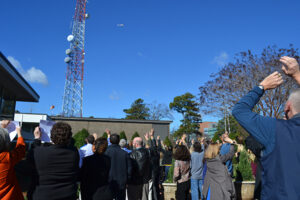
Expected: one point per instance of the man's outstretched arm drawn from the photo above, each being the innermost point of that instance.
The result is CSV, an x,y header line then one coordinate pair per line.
x,y
261,128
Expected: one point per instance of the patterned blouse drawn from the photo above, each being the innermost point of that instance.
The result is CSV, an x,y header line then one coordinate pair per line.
x,y
181,171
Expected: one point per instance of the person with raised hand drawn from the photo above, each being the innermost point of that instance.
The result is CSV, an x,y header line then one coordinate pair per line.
x,y
56,165
218,182
9,187
280,138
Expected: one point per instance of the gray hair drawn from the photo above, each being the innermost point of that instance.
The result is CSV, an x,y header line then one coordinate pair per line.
x,y
122,143
4,140
294,98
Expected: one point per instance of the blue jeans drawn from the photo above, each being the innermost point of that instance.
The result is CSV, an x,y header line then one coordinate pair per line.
x,y
196,188
167,168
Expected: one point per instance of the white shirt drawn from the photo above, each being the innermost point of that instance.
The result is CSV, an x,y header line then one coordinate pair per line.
x,y
85,151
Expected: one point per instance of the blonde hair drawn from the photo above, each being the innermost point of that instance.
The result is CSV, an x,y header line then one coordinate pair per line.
x,y
212,151
251,156
240,148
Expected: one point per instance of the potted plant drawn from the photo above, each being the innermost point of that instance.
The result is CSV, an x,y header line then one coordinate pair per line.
x,y
169,186
244,183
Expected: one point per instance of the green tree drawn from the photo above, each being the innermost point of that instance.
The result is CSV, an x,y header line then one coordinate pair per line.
x,y
123,135
167,142
136,134
243,168
138,110
236,131
187,106
79,137
171,173
104,135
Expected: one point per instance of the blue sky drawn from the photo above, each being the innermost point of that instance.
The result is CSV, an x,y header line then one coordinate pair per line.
x,y
164,49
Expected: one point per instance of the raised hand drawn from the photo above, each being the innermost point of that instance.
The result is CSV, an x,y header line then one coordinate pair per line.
x,y
272,81
152,132
37,133
107,131
146,136
228,140
158,137
290,66
18,129
4,123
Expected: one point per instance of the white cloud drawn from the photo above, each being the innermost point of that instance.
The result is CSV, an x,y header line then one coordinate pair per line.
x,y
221,59
120,25
32,75
15,63
114,96
35,75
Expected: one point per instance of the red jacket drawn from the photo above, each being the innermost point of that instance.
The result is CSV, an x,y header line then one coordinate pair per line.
x,y
9,187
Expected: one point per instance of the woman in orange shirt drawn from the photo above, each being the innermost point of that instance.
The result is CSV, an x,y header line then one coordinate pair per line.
x,y
9,187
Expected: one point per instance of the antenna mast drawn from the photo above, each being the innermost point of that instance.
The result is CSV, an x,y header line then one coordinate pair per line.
x,y
73,92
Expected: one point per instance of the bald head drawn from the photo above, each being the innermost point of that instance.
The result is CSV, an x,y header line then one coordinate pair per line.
x,y
137,142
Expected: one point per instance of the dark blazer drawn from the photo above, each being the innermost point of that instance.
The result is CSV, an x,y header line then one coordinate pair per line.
x,y
120,170
57,170
94,175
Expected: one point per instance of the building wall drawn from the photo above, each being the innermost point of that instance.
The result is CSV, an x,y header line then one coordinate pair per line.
x,y
116,126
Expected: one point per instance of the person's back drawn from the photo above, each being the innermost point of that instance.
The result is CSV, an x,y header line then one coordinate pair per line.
x,y
280,139
283,162
9,187
197,165
86,150
119,165
120,170
140,166
57,165
217,179
224,150
94,174
57,168
197,171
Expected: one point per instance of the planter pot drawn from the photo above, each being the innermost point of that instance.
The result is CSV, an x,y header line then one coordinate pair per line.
x,y
169,190
244,190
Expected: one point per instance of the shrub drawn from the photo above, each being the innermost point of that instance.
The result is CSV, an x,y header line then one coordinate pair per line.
x,y
243,168
167,142
136,134
170,173
104,135
123,135
79,137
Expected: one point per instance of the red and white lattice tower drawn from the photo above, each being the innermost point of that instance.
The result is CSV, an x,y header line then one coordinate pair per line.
x,y
73,93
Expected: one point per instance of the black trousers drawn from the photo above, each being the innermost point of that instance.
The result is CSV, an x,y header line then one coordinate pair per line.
x,y
183,190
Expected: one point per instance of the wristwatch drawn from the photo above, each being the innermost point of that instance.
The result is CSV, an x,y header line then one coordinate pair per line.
x,y
261,87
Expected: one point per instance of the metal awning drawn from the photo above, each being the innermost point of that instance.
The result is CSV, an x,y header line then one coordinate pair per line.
x,y
14,85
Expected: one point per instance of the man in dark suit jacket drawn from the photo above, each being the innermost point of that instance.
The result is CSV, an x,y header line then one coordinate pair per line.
x,y
120,170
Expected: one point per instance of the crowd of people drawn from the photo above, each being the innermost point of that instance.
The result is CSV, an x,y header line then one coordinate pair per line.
x,y
110,168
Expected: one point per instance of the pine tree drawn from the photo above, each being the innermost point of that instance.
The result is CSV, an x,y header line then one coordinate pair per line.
x,y
136,134
138,110
104,135
80,136
244,170
123,135
167,142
